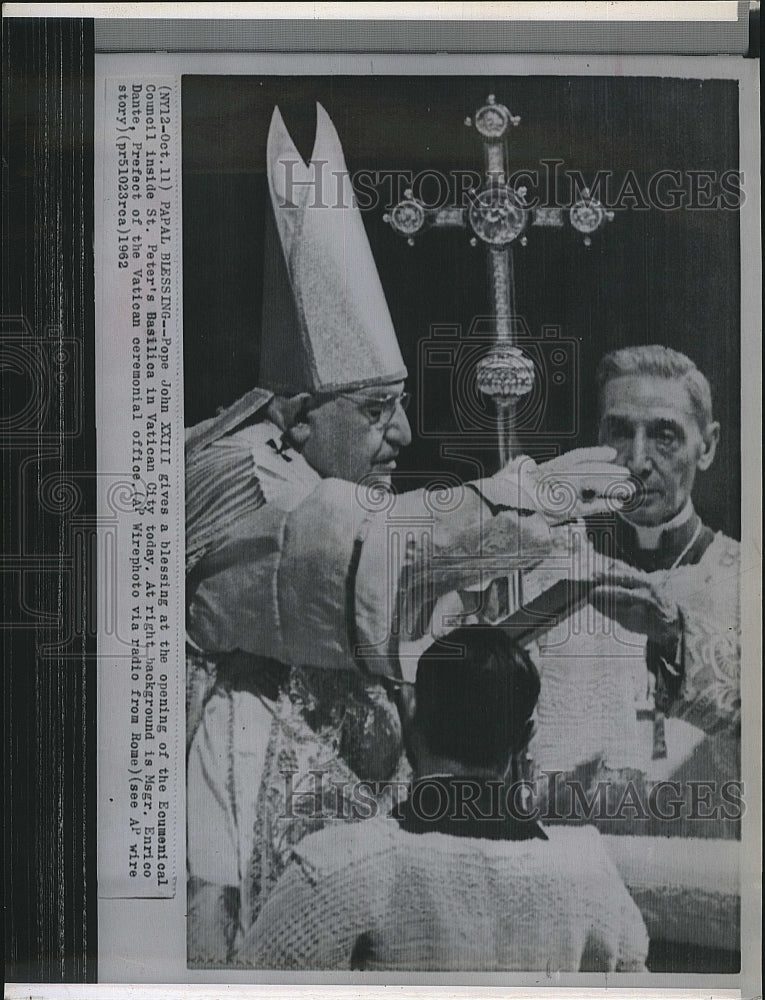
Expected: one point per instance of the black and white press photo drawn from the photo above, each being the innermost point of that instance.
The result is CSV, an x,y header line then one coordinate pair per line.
x,y
431,655
382,448
461,374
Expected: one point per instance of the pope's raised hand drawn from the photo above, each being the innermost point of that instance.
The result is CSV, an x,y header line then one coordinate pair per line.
x,y
579,483
576,484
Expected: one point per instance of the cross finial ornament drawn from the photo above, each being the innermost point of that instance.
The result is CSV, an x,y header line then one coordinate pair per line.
x,y
497,215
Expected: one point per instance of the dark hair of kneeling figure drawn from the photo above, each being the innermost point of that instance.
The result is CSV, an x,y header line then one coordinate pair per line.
x,y
467,723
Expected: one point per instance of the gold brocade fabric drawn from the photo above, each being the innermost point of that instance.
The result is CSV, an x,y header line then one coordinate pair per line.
x,y
332,733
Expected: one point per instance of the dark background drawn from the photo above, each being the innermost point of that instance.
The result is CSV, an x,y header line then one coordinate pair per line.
x,y
652,276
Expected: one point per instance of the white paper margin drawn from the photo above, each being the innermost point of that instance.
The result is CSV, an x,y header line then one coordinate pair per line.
x,y
144,941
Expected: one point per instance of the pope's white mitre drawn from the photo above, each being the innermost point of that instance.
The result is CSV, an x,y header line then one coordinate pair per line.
x,y
326,324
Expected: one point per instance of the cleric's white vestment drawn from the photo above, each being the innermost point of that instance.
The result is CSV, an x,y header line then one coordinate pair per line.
x,y
611,705
435,902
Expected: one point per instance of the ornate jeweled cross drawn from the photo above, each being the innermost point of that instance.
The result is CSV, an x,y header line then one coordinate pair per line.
x,y
497,215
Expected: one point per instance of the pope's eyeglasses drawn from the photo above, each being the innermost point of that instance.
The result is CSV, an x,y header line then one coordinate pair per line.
x,y
379,410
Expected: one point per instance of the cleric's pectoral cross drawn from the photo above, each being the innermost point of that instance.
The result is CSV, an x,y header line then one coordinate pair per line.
x,y
655,713
498,215
658,732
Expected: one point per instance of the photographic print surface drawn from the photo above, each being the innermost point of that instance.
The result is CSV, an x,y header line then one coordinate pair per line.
x,y
442,371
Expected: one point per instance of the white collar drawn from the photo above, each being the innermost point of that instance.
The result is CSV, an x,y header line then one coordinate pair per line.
x,y
649,535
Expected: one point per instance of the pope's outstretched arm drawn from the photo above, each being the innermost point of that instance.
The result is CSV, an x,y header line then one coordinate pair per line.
x,y
310,585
